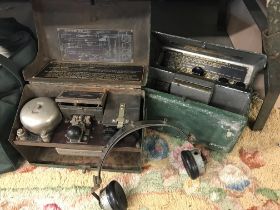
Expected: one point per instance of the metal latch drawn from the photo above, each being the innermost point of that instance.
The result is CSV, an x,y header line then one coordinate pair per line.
x,y
120,119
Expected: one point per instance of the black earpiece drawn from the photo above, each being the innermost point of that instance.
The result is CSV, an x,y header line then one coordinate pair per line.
x,y
112,197
194,162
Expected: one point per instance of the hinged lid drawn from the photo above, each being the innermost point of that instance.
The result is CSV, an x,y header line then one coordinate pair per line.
x,y
91,42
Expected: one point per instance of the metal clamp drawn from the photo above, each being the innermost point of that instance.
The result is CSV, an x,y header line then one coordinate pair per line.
x,y
120,119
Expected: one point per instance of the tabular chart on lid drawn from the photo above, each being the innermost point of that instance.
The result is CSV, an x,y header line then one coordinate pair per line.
x,y
96,45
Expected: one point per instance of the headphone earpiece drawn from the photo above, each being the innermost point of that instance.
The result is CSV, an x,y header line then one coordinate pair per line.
x,y
112,197
194,162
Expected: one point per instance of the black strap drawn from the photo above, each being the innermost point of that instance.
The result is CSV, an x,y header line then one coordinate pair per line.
x,y
8,93
12,68
11,25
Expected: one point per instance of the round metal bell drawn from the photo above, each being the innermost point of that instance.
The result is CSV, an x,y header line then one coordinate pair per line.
x,y
40,116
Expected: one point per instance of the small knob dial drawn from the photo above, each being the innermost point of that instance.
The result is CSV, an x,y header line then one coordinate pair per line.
x,y
223,80
240,85
74,133
198,71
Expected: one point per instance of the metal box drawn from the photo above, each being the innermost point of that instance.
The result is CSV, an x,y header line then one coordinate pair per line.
x,y
204,87
93,59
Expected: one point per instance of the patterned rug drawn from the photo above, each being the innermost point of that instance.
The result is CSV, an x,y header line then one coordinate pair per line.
x,y
246,178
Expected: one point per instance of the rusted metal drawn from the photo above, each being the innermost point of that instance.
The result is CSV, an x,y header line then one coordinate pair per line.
x,y
87,50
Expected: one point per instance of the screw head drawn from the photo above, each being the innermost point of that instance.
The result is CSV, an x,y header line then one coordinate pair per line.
x,y
20,131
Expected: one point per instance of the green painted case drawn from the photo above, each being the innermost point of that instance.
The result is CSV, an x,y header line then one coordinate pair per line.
x,y
215,128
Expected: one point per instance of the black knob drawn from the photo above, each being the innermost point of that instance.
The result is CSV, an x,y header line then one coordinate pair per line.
x,y
223,80
74,132
198,71
240,85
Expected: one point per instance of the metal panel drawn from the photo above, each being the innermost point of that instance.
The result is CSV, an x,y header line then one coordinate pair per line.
x,y
103,32
226,97
131,111
223,61
192,88
230,99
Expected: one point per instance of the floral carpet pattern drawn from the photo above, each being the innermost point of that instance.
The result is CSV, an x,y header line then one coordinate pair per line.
x,y
247,178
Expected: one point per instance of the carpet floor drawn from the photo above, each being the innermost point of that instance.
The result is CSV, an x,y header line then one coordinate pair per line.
x,y
247,178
